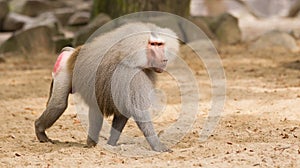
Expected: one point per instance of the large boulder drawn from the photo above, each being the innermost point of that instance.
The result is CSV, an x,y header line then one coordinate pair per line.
x,y
3,11
269,8
31,7
47,19
275,39
85,5
79,18
201,24
63,15
15,21
226,28
84,33
33,41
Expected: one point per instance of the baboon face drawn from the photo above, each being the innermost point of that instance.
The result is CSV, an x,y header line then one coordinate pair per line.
x,y
156,55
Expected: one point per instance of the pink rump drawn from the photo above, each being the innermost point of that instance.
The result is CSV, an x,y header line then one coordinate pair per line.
x,y
57,63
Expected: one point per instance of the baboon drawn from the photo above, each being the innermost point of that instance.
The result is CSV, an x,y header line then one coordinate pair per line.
x,y
114,74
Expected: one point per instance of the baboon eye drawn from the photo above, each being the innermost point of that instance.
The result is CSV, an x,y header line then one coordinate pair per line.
x,y
156,44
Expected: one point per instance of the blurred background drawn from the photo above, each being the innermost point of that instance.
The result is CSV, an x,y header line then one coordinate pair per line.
x,y
53,24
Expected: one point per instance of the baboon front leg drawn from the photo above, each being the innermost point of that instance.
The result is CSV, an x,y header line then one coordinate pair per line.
x,y
143,120
149,132
118,124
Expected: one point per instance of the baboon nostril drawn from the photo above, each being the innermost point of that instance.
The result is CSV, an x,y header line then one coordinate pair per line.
x,y
164,60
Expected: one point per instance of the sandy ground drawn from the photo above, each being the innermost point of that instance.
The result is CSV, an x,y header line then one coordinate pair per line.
x,y
260,125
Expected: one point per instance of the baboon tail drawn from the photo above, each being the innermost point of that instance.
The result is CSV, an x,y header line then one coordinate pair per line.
x,y
50,92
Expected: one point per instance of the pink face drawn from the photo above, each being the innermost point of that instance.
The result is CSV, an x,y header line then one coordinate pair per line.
x,y
156,55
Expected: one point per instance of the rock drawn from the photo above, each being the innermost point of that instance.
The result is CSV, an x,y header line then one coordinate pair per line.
x,y
226,29
15,22
296,33
33,41
45,19
58,3
31,7
269,8
3,11
84,6
215,7
276,39
198,21
4,37
63,14
83,34
79,18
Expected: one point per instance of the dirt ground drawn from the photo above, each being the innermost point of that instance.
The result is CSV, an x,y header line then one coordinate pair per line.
x,y
260,125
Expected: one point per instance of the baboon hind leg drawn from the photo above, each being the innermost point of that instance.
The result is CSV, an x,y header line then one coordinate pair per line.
x,y
118,124
60,89
57,103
